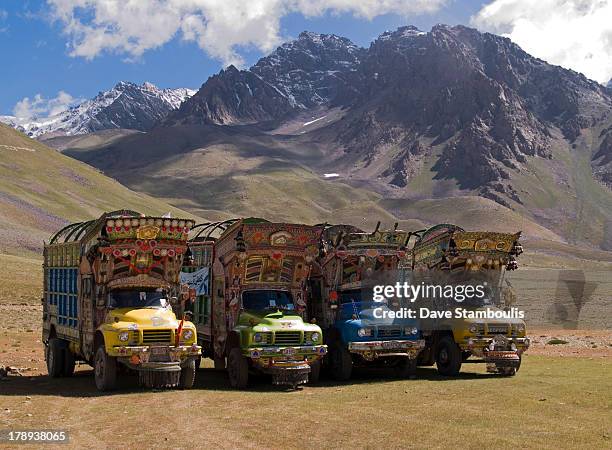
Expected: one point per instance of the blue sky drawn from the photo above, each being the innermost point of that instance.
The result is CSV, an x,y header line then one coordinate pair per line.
x,y
44,53
37,59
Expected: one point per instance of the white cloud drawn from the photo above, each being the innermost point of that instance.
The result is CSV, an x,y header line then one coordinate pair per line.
x,y
219,27
575,34
39,106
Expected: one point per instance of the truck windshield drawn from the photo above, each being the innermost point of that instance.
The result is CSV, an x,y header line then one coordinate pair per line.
x,y
125,298
267,299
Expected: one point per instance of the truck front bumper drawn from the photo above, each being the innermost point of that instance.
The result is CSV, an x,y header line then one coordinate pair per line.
x,y
284,356
370,350
287,365
156,358
505,348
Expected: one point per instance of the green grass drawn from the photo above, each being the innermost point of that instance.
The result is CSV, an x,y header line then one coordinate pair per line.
x,y
41,190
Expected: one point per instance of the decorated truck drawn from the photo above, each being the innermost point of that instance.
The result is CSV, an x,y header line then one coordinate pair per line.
x,y
358,329
483,327
109,286
250,318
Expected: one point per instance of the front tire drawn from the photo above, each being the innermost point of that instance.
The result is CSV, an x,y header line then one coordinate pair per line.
x,y
315,372
406,368
448,357
69,363
55,358
219,363
105,370
341,362
188,374
238,369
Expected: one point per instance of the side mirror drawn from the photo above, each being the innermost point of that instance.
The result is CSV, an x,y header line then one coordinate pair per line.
x,y
173,300
188,316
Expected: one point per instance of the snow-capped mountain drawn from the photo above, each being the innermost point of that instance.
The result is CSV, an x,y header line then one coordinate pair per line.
x,y
127,105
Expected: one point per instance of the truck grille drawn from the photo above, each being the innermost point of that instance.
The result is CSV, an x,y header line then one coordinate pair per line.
x,y
498,329
157,336
288,337
389,332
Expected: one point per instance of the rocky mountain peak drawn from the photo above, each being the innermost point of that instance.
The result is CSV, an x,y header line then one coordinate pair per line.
x,y
125,105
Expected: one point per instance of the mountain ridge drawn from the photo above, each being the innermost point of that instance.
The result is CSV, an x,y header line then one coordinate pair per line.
x,y
126,105
451,112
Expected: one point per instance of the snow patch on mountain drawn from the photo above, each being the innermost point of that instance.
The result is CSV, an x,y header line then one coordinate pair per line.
x,y
126,105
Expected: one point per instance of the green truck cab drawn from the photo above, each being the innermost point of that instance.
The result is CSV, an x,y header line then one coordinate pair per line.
x,y
484,329
109,288
249,312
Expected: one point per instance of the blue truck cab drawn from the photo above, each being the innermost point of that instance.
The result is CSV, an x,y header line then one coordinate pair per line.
x,y
360,331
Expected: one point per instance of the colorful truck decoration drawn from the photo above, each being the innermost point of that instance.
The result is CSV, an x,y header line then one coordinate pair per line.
x,y
250,318
446,254
342,301
109,285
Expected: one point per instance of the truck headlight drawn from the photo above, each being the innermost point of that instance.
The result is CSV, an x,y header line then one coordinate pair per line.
x,y
314,337
410,330
363,332
124,336
187,335
257,337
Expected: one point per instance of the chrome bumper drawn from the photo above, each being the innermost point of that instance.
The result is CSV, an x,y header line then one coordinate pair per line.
x,y
371,350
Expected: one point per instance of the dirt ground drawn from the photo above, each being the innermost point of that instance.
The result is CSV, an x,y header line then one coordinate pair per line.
x,y
561,398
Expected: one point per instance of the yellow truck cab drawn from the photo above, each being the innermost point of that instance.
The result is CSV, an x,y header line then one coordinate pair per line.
x,y
483,328
109,288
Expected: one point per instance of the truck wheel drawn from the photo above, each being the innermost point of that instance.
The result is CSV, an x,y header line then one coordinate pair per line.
x,y
448,357
341,362
219,363
406,368
55,358
507,371
315,372
188,374
69,363
238,369
198,363
105,370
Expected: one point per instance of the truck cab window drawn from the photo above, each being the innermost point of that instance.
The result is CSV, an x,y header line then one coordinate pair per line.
x,y
258,300
125,298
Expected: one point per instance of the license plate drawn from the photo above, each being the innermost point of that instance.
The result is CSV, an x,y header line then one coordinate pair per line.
x,y
391,344
159,350
288,351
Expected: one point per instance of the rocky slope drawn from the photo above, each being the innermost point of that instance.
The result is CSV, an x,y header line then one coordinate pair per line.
x,y
126,105
313,70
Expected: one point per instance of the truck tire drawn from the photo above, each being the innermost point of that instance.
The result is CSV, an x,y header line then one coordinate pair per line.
x,y
237,369
315,372
105,370
341,362
69,362
219,363
188,374
406,368
198,363
55,358
448,357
